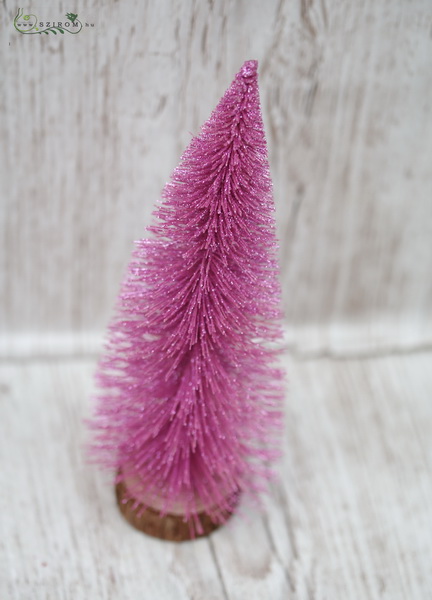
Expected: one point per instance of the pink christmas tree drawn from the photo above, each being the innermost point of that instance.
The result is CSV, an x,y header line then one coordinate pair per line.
x,y
189,410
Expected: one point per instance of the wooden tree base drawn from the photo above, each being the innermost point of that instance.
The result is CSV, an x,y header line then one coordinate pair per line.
x,y
169,527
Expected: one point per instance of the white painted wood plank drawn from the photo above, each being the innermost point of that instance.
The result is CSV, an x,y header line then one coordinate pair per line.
x,y
359,494
349,519
93,124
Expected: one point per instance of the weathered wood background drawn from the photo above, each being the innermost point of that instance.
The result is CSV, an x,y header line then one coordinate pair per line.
x,y
349,520
93,125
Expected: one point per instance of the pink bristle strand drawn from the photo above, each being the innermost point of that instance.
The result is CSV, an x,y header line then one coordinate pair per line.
x,y
189,408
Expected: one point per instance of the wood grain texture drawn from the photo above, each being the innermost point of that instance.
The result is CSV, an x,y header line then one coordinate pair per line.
x,y
93,125
350,518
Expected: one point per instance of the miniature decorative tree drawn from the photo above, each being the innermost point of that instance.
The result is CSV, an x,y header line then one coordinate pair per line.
x,y
189,408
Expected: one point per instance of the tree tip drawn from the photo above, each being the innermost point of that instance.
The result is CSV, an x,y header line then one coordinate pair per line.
x,y
249,69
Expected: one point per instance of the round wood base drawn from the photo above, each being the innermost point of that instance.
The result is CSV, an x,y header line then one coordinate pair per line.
x,y
169,527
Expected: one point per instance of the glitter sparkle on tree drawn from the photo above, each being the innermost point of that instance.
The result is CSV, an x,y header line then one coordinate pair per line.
x,y
188,413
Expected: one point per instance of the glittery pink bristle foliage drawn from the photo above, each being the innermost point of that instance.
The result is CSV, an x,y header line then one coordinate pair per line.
x,y
189,409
